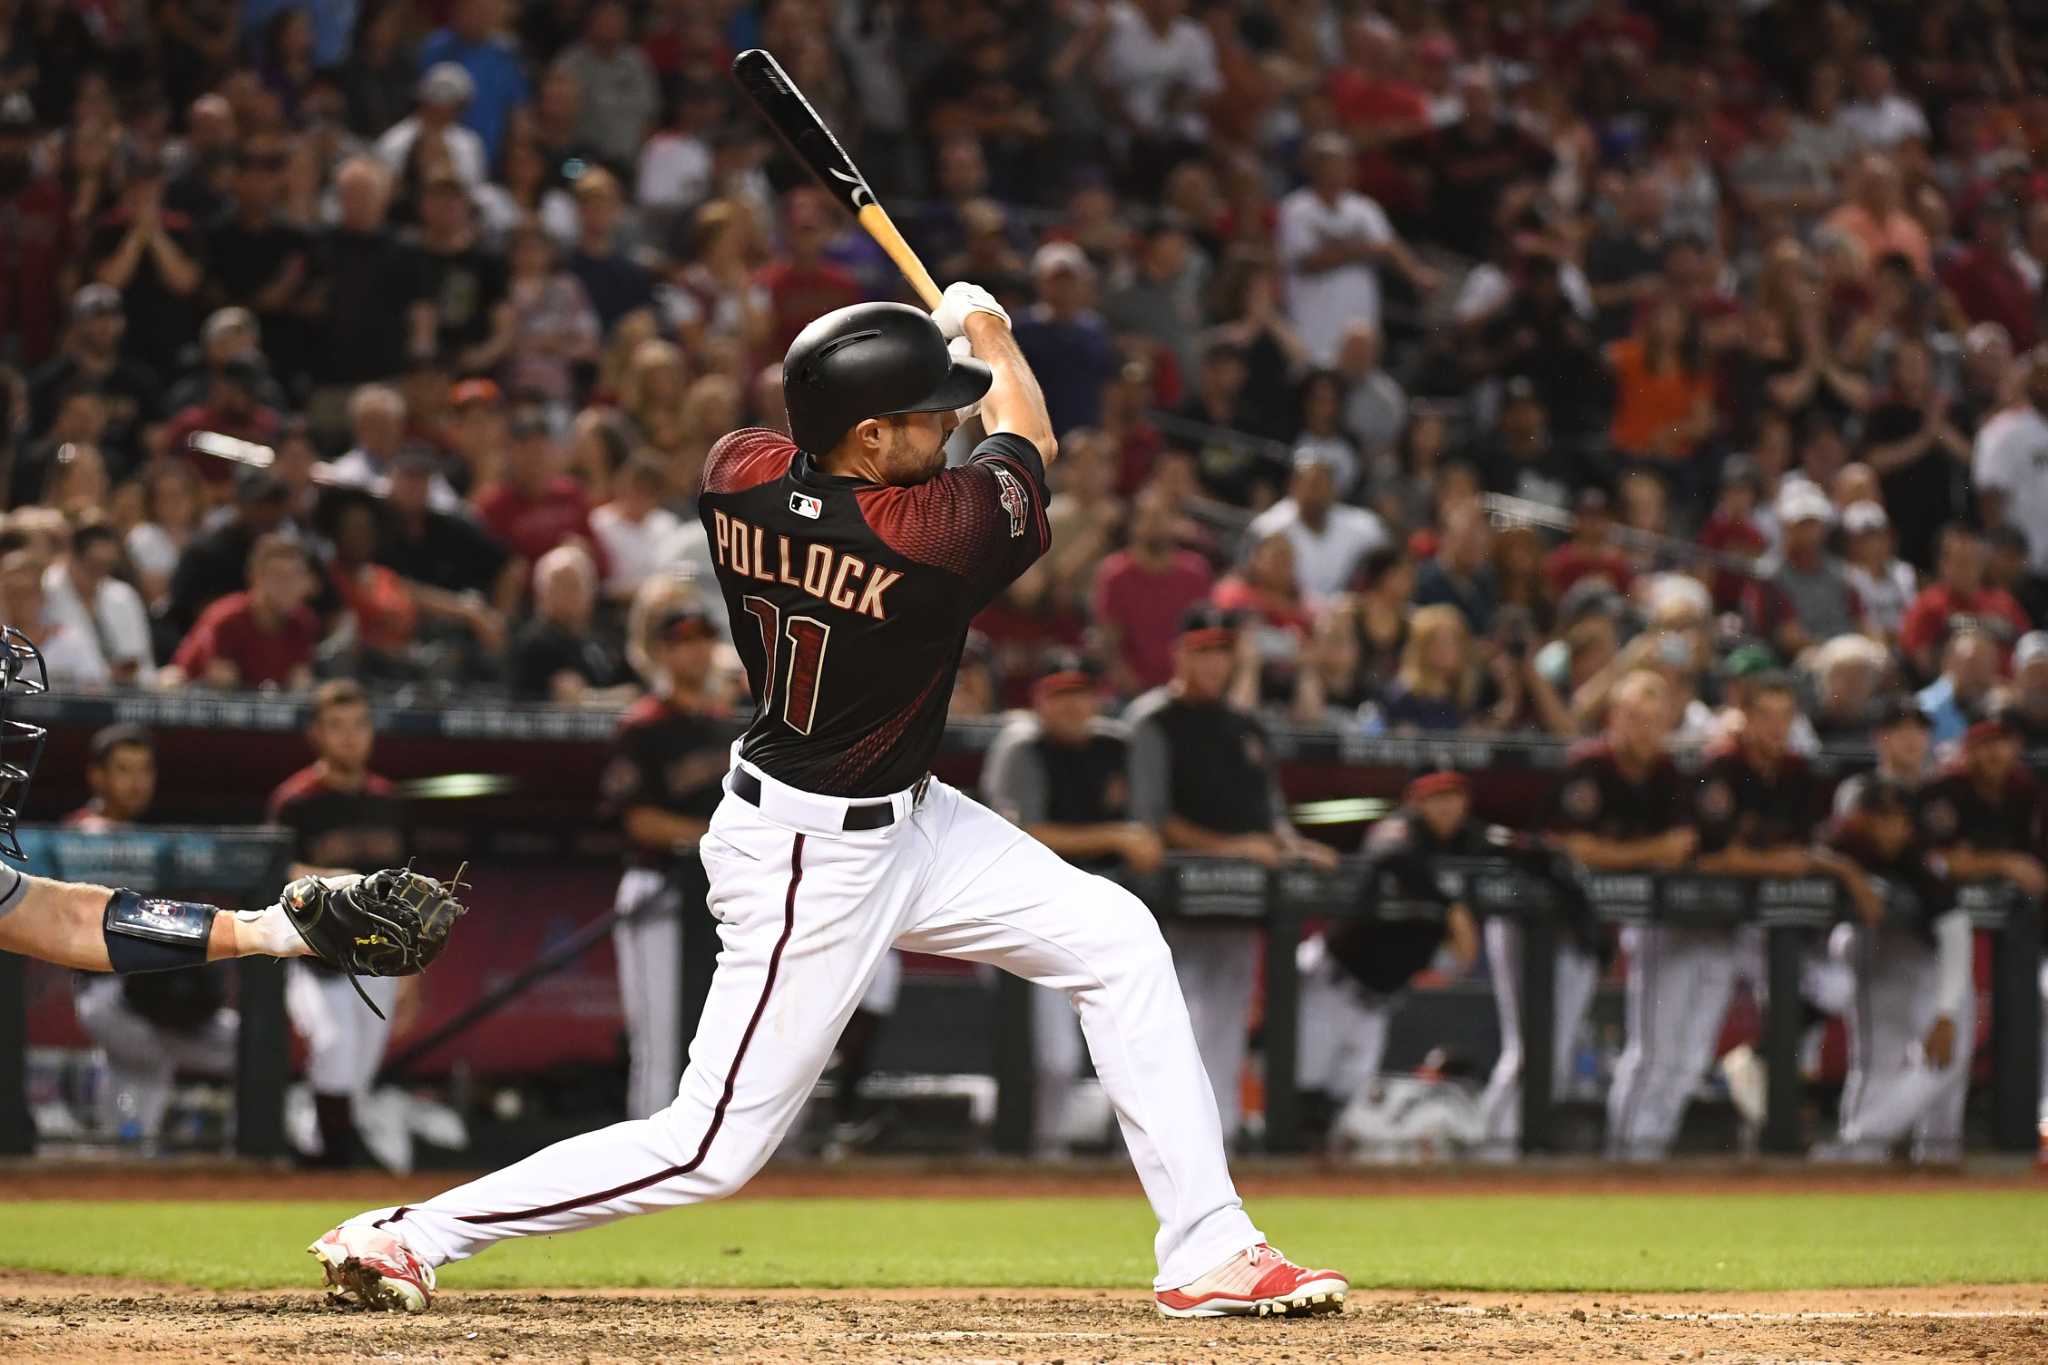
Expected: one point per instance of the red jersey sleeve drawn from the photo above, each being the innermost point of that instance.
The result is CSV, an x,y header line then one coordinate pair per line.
x,y
983,520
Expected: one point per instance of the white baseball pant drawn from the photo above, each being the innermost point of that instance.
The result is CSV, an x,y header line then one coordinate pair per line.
x,y
1891,1091
1218,967
1343,1033
344,1039
1679,980
144,1058
648,948
1576,978
1056,1051
805,913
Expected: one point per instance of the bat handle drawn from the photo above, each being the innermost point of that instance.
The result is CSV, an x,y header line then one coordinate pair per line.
x,y
878,225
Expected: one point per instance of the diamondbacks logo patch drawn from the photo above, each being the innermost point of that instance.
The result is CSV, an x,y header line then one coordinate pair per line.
x,y
1011,494
804,505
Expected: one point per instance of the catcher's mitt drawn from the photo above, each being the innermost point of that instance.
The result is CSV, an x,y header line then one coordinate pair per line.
x,y
391,923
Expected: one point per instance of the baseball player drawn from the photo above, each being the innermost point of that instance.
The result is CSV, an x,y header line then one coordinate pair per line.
x,y
389,924
1353,973
1902,738
343,818
852,560
1754,807
1201,775
1061,771
1619,808
662,784
1913,1021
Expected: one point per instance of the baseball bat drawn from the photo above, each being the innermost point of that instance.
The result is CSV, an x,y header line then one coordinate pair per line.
x,y
791,115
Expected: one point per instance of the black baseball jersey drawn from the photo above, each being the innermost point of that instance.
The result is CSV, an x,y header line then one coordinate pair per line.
x,y
1735,803
1916,870
850,600
359,831
1033,780
1409,901
1205,762
1954,812
1597,797
668,758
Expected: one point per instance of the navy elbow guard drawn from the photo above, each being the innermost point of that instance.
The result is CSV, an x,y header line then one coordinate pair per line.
x,y
145,934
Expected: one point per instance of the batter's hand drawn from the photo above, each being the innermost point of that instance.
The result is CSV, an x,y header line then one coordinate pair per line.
x,y
960,299
1939,1046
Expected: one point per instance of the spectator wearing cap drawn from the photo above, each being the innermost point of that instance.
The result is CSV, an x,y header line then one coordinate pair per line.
x,y
1959,697
228,334
2024,703
2010,461
1911,438
376,415
620,98
1885,584
1061,772
601,259
1331,241
1801,594
156,258
36,239
474,44
1066,341
1141,592
534,507
91,359
1202,775
260,638
83,592
1983,813
1959,599
231,408
1329,538
558,656
369,295
443,93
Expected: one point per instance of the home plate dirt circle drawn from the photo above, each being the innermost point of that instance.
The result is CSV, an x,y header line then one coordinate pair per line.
x,y
50,1319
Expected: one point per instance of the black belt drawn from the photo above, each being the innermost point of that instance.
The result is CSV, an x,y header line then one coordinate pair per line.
x,y
864,815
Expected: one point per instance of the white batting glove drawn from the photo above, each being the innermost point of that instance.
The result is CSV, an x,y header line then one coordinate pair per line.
x,y
959,347
960,299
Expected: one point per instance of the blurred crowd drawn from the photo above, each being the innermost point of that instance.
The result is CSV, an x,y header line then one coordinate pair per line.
x,y
1472,355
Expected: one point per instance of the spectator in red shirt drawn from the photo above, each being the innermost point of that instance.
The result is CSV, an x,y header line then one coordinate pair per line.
x,y
1590,553
1372,99
1140,593
805,285
1959,599
261,638
1985,282
231,409
534,506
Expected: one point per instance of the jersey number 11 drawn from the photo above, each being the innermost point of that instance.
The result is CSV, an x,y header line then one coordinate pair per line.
x,y
807,636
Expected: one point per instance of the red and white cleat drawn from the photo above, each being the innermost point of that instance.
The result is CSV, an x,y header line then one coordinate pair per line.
x,y
1257,1282
370,1268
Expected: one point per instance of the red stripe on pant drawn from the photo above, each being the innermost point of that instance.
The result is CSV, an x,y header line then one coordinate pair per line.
x,y
796,876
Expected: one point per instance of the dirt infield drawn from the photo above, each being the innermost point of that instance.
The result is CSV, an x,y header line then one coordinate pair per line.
x,y
53,1320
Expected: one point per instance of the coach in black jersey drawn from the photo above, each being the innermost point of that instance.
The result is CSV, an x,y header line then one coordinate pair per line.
x,y
1984,811
661,786
851,561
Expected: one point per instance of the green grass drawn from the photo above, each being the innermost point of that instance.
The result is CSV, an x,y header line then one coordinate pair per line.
x,y
1481,1241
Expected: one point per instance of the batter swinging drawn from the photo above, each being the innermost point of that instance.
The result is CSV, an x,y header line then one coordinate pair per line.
x,y
851,561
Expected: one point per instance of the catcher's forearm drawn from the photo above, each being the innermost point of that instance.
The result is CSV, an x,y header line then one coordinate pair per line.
x,y
75,924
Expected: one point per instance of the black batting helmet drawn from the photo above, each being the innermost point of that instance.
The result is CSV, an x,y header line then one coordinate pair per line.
x,y
871,360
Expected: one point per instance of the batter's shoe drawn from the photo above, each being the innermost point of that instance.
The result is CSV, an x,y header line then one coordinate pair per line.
x,y
369,1268
1257,1282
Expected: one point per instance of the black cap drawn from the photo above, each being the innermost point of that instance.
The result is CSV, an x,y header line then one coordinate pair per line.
x,y
244,371
1901,709
684,622
1882,796
872,360
1205,624
259,485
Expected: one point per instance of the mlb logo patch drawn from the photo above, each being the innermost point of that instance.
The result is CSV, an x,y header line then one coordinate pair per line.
x,y
804,505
